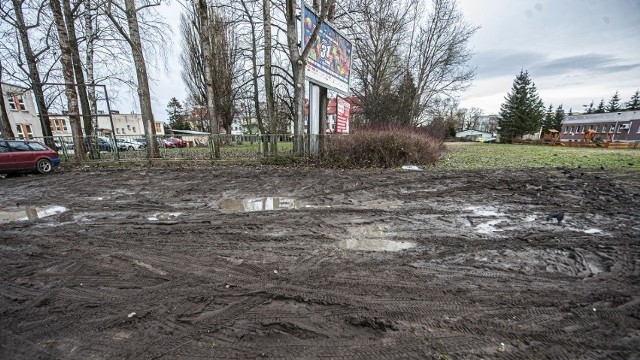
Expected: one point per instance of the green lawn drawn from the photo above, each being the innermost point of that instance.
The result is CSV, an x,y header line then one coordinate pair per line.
x,y
488,156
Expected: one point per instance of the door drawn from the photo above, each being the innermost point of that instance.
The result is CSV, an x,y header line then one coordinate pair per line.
x,y
22,155
6,158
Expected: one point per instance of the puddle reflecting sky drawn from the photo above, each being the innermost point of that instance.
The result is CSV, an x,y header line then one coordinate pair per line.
x,y
259,204
376,245
30,213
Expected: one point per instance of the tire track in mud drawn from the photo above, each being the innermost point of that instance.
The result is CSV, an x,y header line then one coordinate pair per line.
x,y
203,284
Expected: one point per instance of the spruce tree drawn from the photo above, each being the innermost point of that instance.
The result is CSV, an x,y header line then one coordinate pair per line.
x,y
634,103
176,112
614,103
601,108
589,109
558,119
523,111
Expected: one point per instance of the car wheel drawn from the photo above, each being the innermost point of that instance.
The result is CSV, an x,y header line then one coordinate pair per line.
x,y
44,166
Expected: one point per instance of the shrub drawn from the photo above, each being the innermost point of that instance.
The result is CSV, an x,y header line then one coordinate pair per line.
x,y
386,146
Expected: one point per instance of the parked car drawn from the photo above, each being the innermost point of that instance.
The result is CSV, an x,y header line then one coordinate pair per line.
x,y
174,143
128,145
20,155
103,143
67,144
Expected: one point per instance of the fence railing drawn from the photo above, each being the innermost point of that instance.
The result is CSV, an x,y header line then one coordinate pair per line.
x,y
186,147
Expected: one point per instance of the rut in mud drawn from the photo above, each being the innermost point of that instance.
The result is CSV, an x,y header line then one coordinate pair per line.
x,y
240,262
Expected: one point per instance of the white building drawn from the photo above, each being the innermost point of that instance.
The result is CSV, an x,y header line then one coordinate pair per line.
x,y
25,122
22,112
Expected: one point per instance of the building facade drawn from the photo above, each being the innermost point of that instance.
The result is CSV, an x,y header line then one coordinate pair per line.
x,y
25,122
22,112
620,126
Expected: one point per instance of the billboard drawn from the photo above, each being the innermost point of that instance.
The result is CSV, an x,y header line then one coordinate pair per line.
x,y
343,110
329,61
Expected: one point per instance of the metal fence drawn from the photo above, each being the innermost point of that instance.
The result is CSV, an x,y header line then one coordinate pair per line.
x,y
179,147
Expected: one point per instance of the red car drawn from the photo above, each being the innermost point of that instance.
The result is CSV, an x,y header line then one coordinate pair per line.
x,y
20,155
174,143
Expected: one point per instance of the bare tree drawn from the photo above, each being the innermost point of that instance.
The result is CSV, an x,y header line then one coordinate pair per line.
x,y
112,9
16,19
67,70
191,60
204,29
268,78
441,61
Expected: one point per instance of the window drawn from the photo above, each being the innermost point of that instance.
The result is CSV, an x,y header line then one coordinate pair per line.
x,y
117,131
566,129
4,147
16,102
19,146
12,102
597,128
37,147
128,127
64,124
123,130
21,104
134,129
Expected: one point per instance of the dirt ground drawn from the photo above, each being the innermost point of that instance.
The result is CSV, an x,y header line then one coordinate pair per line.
x,y
261,262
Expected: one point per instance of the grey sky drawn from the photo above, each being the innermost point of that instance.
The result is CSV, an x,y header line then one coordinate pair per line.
x,y
574,50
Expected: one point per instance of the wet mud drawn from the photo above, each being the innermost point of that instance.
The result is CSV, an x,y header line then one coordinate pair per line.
x,y
241,262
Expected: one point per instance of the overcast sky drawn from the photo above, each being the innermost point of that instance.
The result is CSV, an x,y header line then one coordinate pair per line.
x,y
574,50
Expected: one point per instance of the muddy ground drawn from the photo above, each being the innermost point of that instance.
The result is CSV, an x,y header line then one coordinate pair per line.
x,y
242,262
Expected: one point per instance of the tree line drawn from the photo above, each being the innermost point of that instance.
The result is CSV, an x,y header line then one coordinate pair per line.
x,y
240,58
614,104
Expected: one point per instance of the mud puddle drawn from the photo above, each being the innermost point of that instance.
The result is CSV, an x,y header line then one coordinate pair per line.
x,y
373,238
30,213
259,204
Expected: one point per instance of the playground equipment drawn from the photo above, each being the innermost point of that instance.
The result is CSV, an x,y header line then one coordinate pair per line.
x,y
551,137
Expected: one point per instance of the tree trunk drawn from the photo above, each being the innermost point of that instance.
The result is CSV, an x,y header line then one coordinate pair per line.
x,y
79,74
204,34
298,63
34,75
91,90
5,124
143,80
254,73
67,72
268,83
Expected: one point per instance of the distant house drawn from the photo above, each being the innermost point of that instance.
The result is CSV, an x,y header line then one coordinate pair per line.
x,y
621,126
474,135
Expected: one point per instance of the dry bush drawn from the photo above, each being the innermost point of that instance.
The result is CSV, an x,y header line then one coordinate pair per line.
x,y
387,146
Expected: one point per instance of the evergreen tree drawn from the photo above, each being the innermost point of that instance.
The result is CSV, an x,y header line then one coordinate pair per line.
x,y
558,119
176,115
589,108
634,103
614,103
601,108
570,112
523,111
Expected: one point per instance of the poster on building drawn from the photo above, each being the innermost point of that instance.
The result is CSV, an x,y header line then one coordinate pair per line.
x,y
343,112
329,61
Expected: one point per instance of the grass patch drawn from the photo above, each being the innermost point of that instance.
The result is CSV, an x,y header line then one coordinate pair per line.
x,y
463,156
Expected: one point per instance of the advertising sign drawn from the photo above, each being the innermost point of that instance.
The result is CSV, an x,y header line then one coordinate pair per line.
x,y
329,61
342,116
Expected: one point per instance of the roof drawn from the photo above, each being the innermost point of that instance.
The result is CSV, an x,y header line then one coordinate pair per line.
x,y
472,131
602,118
190,132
